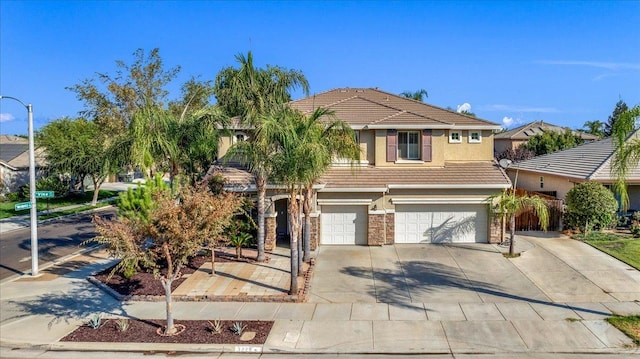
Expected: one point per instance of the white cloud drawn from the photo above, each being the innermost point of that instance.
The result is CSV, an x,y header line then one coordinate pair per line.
x,y
520,109
6,117
507,121
465,107
603,65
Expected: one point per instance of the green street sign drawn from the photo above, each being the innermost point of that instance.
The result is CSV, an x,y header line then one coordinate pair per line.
x,y
22,205
44,194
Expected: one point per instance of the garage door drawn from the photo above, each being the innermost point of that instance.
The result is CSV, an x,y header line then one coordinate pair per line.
x,y
459,223
343,225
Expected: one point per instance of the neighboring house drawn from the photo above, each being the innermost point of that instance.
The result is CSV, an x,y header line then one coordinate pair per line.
x,y
556,173
14,162
424,176
512,139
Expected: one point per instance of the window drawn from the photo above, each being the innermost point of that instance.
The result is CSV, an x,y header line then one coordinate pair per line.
x,y
239,137
475,137
541,182
455,137
356,136
409,145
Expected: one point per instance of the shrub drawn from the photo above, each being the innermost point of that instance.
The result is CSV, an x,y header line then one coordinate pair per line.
x,y
635,224
590,205
52,183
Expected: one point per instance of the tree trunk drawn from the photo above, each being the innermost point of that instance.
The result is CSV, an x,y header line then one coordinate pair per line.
x,y
307,224
512,240
262,190
299,238
238,252
96,190
213,260
293,242
166,284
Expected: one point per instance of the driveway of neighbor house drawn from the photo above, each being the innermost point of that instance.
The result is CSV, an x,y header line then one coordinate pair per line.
x,y
555,269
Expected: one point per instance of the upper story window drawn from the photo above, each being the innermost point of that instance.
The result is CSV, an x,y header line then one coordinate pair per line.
x,y
455,137
239,137
475,137
409,145
356,136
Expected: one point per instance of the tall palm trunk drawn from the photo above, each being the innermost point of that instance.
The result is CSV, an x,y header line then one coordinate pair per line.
x,y
512,239
299,238
293,242
261,185
307,223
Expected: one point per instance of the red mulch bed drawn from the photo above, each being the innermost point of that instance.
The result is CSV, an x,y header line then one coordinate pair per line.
x,y
143,283
145,331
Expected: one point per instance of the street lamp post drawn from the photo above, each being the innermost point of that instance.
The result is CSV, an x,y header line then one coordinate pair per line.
x,y
32,188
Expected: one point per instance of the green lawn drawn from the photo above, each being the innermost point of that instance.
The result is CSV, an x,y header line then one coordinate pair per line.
x,y
625,248
7,208
630,325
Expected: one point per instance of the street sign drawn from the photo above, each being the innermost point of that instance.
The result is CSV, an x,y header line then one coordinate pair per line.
x,y
22,205
44,194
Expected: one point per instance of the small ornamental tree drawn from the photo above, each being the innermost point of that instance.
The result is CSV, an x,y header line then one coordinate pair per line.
x,y
177,228
590,205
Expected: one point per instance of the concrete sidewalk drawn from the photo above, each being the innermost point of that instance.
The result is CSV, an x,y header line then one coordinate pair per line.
x,y
37,312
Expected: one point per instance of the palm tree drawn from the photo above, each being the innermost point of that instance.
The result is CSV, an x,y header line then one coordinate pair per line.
x,y
417,95
331,138
509,204
627,152
595,128
250,93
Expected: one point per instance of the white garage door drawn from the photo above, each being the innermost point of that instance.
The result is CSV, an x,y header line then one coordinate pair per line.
x,y
456,223
343,225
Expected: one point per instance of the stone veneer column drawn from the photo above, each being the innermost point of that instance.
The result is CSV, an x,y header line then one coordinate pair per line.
x,y
315,222
270,231
390,234
376,229
494,229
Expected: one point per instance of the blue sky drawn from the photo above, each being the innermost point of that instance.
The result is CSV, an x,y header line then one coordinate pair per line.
x,y
513,62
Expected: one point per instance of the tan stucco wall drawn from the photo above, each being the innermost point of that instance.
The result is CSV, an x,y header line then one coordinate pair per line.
x,y
368,146
466,151
438,140
224,143
531,182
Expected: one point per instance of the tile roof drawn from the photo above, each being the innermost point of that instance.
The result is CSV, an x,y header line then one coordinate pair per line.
x,y
535,128
14,152
373,108
590,161
481,174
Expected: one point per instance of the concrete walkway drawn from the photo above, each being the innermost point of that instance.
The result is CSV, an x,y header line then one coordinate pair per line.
x,y
473,320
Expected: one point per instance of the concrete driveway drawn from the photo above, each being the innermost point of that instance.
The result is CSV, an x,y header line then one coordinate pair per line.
x,y
554,269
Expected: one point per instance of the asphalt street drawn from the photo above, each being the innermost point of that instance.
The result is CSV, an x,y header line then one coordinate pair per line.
x,y
56,239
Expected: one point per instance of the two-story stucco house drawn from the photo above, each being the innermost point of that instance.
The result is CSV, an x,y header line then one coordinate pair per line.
x,y
424,176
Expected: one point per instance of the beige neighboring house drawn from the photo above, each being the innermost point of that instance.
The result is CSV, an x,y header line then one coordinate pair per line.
x,y
512,139
14,162
424,176
556,173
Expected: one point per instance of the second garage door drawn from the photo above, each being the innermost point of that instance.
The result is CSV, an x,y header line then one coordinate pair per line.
x,y
343,225
463,223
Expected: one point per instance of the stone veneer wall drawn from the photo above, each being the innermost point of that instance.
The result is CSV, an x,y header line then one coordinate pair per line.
x,y
391,228
270,235
494,230
375,230
315,222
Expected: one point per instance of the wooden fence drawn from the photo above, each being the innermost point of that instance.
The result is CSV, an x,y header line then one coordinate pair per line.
x,y
527,220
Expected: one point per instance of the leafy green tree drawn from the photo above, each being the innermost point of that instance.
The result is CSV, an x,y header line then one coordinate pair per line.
x,y
508,204
78,147
552,141
595,128
178,227
250,93
590,205
112,100
416,95
621,107
627,151
138,203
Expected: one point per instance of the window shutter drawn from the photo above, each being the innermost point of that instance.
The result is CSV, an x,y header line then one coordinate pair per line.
x,y
392,145
426,145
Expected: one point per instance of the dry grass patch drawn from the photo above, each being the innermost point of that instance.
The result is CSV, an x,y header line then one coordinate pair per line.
x,y
630,325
